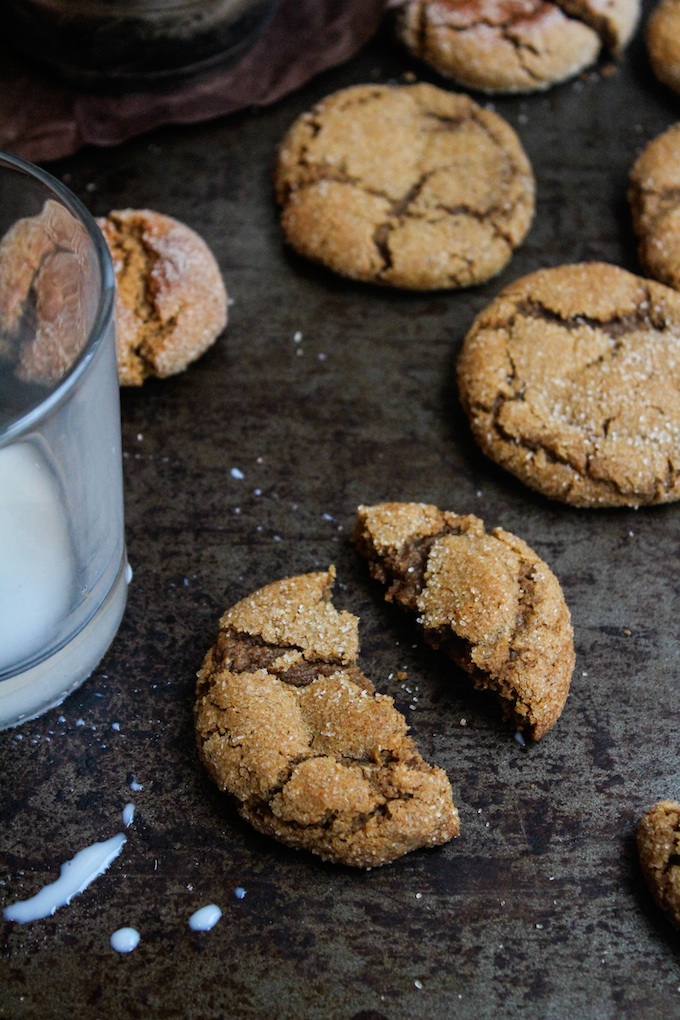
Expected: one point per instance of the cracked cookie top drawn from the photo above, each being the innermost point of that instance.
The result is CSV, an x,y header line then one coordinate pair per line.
x,y
287,723
654,196
484,598
406,186
513,45
171,303
570,380
658,842
662,36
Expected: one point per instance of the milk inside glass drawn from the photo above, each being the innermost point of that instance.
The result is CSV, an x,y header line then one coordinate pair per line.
x,y
62,554
37,569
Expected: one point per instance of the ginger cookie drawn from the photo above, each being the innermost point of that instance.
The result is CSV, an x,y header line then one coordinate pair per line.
x,y
513,45
570,381
658,842
406,186
662,36
44,265
654,196
484,598
171,302
287,723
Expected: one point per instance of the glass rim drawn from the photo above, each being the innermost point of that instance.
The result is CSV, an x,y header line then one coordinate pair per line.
x,y
26,421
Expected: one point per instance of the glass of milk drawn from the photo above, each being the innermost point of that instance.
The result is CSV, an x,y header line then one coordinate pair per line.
x,y
63,568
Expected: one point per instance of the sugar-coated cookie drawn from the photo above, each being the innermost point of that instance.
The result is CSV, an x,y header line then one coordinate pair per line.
x,y
662,35
407,186
654,196
570,380
44,267
171,302
658,842
513,45
485,598
288,724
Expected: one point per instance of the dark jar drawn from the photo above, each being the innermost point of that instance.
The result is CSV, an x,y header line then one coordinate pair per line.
x,y
135,43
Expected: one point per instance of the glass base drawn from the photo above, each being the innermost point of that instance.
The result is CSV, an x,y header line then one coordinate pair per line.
x,y
44,686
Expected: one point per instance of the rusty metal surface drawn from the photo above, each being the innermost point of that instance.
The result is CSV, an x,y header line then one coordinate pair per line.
x,y
324,394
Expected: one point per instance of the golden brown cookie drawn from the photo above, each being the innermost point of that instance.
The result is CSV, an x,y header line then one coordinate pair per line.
x,y
44,266
654,196
61,295
408,186
658,841
171,303
662,35
484,598
570,381
288,724
513,45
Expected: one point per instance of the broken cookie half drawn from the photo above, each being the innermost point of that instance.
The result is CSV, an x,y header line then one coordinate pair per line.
x,y
658,843
171,301
484,598
288,724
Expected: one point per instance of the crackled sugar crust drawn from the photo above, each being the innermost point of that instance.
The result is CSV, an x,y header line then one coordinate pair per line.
x,y
171,302
407,186
570,381
654,196
663,42
658,841
484,598
513,45
288,724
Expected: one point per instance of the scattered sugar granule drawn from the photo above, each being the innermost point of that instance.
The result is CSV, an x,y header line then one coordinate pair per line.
x,y
236,473
239,892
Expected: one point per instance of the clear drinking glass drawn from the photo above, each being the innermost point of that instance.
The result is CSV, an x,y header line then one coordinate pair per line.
x,y
63,567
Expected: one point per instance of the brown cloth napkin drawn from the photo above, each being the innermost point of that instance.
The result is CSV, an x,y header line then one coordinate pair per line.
x,y
43,117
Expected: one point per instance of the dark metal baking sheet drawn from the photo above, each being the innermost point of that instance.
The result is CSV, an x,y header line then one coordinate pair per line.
x,y
324,394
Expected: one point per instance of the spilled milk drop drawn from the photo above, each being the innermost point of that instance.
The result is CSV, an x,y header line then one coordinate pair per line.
x,y
75,876
205,918
124,940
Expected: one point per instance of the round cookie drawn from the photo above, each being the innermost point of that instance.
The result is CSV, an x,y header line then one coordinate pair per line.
x,y
407,186
43,272
662,36
570,381
658,843
513,45
485,598
654,196
171,303
288,724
